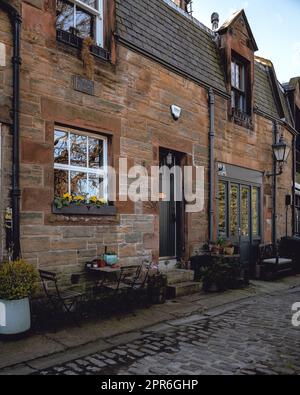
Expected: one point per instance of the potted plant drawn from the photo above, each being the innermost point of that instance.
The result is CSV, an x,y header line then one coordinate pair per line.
x,y
229,248
110,258
214,278
18,280
221,244
157,288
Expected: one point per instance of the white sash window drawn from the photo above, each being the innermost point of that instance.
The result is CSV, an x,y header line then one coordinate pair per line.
x,y
80,164
81,17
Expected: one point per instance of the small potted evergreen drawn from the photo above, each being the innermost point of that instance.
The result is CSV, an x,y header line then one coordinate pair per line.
x,y
18,280
215,277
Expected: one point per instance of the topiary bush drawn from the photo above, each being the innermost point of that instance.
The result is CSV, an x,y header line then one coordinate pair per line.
x,y
18,280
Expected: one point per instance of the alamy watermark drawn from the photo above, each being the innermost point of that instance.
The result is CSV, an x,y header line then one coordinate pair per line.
x,y
158,183
296,315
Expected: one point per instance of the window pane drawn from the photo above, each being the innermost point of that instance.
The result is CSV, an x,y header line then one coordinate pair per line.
x,y
78,183
232,73
61,182
78,150
61,154
95,186
237,76
95,153
234,207
222,209
84,23
245,212
255,211
64,15
241,77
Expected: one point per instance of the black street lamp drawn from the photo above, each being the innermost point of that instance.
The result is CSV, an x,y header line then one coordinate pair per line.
x,y
281,152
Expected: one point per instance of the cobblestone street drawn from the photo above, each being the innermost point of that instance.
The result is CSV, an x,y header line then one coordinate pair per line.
x,y
253,337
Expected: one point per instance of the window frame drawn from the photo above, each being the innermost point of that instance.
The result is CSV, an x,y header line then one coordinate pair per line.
x,y
242,90
239,184
98,13
102,172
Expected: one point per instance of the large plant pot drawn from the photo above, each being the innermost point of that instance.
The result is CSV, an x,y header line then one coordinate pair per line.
x,y
14,316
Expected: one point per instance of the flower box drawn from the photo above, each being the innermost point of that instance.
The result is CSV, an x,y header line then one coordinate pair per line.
x,y
75,209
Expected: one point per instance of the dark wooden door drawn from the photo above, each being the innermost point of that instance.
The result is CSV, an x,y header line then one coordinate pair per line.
x,y
169,215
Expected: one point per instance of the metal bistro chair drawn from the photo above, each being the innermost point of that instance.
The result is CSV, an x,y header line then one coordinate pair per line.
x,y
139,279
65,301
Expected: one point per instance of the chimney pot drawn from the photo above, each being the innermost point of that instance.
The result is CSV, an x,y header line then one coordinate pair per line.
x,y
215,19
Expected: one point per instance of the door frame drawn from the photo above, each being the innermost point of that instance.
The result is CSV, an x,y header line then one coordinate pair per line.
x,y
241,183
180,225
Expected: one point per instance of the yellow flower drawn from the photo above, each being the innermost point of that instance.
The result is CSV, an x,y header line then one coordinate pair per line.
x,y
79,198
93,199
103,201
67,196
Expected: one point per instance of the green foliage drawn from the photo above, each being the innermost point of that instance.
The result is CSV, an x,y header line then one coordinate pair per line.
x,y
215,275
222,242
17,280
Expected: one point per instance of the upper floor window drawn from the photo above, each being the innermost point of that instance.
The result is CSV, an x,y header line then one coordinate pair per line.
x,y
239,86
83,18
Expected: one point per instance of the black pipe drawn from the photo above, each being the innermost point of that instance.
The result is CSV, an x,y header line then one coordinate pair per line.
x,y
294,188
16,21
274,187
211,161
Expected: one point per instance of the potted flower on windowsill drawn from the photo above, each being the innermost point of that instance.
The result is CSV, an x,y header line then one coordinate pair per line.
x,y
80,205
18,280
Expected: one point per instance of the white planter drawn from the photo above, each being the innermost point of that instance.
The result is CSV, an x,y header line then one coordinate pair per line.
x,y
14,316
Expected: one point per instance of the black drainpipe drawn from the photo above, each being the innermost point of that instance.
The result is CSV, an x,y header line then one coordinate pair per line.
x,y
294,188
211,101
16,21
274,189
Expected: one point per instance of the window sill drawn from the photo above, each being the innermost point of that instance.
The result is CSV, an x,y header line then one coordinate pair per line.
x,y
73,209
241,118
76,42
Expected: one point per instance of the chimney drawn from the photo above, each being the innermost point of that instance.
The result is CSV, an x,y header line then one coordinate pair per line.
x,y
215,21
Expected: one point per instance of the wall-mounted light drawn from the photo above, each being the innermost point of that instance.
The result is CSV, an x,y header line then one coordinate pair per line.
x,y
169,159
281,151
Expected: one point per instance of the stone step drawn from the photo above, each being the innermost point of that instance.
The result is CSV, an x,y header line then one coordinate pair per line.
x,y
179,276
183,289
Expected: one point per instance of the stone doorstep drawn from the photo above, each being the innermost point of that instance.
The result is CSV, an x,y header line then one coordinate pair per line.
x,y
183,289
179,276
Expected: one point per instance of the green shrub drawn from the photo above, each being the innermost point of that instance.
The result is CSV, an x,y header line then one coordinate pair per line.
x,y
17,280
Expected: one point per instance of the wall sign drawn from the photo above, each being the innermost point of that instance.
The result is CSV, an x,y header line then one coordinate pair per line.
x,y
83,85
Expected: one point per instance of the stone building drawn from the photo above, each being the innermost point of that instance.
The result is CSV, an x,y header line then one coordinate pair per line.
x,y
84,103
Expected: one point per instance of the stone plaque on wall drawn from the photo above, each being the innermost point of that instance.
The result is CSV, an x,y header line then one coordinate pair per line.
x,y
83,85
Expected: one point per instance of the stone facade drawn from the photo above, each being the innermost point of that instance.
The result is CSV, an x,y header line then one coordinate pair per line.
x,y
130,105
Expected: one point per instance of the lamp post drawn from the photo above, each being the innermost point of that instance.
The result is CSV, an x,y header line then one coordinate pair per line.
x,y
281,152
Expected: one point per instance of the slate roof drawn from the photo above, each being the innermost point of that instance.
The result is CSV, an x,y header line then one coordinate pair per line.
x,y
164,32
263,96
265,91
160,30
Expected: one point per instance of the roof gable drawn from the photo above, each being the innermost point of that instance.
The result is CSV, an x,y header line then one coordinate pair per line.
x,y
234,19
